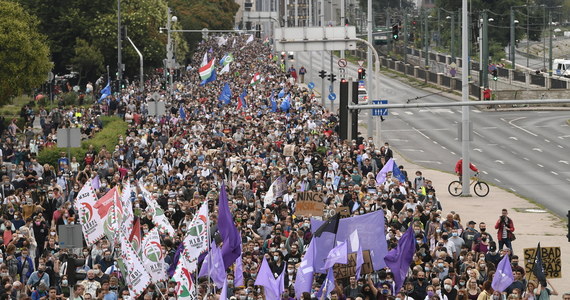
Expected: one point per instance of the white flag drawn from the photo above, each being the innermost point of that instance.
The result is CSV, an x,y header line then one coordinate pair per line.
x,y
250,39
128,215
92,226
225,69
137,277
221,41
185,289
196,241
158,217
152,256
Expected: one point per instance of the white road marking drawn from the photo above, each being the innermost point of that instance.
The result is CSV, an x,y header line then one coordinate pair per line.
x,y
491,127
395,113
518,127
546,140
452,152
540,165
476,111
413,150
427,137
537,149
500,161
560,146
429,161
497,180
477,133
512,189
444,147
400,140
485,172
513,138
554,173
409,112
477,149
563,161
564,136
525,158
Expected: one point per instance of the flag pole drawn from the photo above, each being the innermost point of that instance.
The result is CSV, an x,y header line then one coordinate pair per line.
x,y
209,249
161,294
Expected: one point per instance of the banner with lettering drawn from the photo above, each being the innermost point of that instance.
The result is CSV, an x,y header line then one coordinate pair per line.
x,y
137,277
309,203
92,226
551,259
152,256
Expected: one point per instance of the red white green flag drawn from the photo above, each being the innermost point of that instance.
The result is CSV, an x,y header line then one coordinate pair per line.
x,y
255,79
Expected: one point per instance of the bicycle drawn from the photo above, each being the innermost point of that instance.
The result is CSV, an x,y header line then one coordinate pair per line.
x,y
480,188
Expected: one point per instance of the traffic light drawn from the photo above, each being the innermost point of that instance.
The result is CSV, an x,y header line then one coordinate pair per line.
x,y
495,74
322,73
332,77
360,70
395,30
123,32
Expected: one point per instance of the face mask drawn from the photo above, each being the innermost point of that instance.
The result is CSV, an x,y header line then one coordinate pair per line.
x,y
438,230
230,281
85,253
454,234
447,287
275,257
440,265
445,237
255,248
484,239
430,294
462,283
385,292
461,257
290,271
495,297
515,263
64,282
483,229
482,266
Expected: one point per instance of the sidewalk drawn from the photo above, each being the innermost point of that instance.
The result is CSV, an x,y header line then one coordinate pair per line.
x,y
530,227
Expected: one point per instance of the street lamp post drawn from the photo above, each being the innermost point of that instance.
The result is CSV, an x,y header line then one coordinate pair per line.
x,y
514,22
169,49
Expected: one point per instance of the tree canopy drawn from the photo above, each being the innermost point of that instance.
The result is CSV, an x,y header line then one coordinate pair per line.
x,y
24,53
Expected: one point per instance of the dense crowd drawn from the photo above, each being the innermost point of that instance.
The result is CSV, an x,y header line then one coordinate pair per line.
x,y
183,158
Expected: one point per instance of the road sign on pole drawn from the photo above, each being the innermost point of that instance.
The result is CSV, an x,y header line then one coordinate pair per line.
x,y
379,111
311,85
360,63
332,96
342,63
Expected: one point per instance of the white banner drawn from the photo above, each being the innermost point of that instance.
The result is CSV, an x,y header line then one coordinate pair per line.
x,y
137,277
196,241
91,225
152,256
184,285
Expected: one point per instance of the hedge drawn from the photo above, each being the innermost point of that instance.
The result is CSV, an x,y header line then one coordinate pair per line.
x,y
113,127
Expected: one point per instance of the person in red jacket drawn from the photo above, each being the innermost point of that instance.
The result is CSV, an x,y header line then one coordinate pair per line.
x,y
505,229
459,168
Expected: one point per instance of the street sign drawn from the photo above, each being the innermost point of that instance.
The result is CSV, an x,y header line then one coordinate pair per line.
x,y
360,63
331,89
337,38
379,111
342,63
342,70
311,85
332,96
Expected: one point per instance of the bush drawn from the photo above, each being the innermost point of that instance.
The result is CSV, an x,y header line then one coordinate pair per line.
x,y
113,127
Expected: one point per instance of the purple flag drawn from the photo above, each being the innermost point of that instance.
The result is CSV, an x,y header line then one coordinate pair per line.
x,y
304,279
338,255
172,267
95,182
400,258
503,276
370,226
388,167
231,248
327,286
359,262
273,287
213,266
238,272
224,293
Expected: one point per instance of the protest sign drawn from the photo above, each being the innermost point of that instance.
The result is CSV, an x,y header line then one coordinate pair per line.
x,y
289,150
310,203
551,258
342,271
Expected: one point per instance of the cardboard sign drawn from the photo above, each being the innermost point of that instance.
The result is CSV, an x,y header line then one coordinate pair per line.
x,y
345,271
551,258
309,203
289,150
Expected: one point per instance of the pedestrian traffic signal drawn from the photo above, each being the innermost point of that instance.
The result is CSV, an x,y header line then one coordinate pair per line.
x,y
395,32
322,73
332,77
495,74
361,73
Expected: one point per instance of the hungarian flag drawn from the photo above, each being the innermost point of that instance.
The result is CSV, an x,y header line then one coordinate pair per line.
x,y
255,79
206,70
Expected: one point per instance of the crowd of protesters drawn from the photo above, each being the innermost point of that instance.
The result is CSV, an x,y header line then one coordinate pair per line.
x,y
183,162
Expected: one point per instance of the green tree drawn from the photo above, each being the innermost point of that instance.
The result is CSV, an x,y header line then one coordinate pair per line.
x,y
24,53
88,60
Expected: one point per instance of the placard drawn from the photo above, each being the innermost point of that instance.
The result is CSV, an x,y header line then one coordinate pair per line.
x,y
289,150
345,271
551,258
309,203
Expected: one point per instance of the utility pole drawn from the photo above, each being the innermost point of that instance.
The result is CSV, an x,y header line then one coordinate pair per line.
x,y
342,22
465,145
119,48
438,28
512,44
426,40
550,44
405,37
169,53
323,52
372,87
485,49
453,36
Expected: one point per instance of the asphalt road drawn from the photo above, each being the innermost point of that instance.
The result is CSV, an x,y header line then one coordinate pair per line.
x,y
526,152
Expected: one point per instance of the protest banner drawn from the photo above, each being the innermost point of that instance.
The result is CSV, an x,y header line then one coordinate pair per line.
x,y
551,258
342,271
310,203
289,150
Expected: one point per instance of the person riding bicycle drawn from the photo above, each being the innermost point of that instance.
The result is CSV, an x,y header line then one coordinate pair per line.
x,y
459,168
